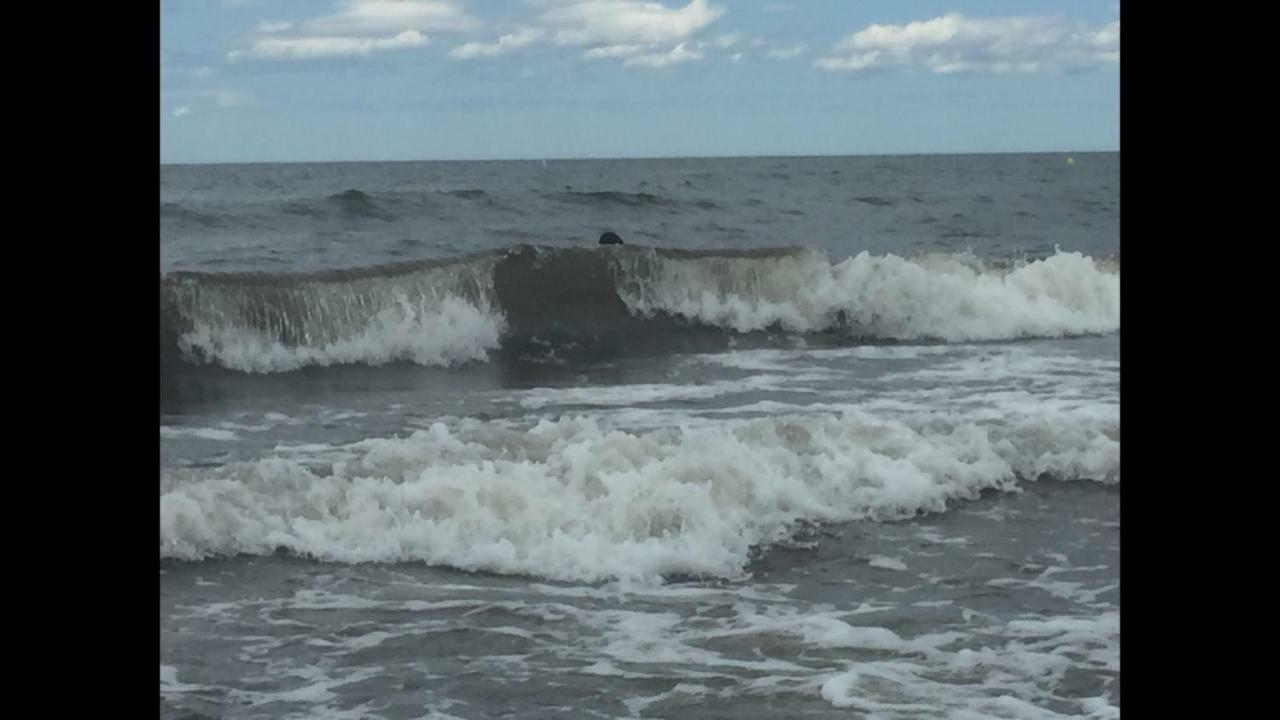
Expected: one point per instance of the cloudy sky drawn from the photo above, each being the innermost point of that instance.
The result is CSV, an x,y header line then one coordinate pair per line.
x,y
312,80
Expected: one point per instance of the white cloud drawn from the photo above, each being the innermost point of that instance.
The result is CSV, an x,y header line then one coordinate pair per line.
x,y
646,34
613,51
505,44
306,48
180,111
854,62
955,44
677,54
357,27
642,33
1108,37
627,22
381,17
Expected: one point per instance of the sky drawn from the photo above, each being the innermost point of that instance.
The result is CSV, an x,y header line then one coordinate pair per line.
x,y
350,80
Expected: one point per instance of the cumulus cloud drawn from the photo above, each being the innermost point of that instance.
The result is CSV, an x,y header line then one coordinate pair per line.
x,y
626,22
380,17
678,54
614,51
854,62
1107,42
357,27
504,45
640,33
646,34
956,44
305,48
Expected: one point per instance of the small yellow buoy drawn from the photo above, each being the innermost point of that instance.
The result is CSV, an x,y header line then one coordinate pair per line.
x,y
1071,161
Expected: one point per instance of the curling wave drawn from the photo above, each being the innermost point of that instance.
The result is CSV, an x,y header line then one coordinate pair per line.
x,y
461,310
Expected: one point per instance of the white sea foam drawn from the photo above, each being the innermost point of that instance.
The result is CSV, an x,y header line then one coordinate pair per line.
x,y
888,563
706,635
427,332
169,682
629,395
449,315
172,433
572,499
948,297
774,360
430,316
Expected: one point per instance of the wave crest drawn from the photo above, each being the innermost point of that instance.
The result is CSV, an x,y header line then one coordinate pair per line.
x,y
442,313
431,314
572,499
934,297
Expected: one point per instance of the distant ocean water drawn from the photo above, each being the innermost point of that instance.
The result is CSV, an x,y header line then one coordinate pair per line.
x,y
827,437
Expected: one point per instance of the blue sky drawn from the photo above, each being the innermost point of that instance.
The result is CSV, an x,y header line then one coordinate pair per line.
x,y
316,80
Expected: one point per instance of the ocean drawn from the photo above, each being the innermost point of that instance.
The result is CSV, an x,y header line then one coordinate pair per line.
x,y
827,437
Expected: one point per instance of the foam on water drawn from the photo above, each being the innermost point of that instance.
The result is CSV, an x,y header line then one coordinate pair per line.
x,y
952,297
445,332
573,499
426,314
445,314
218,434
754,645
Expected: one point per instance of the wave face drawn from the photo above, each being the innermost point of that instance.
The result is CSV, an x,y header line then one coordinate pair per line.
x,y
426,313
571,499
443,313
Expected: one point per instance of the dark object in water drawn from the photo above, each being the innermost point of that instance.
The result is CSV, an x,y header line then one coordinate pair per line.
x,y
610,238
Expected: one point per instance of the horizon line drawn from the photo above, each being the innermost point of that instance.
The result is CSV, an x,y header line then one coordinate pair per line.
x,y
648,157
